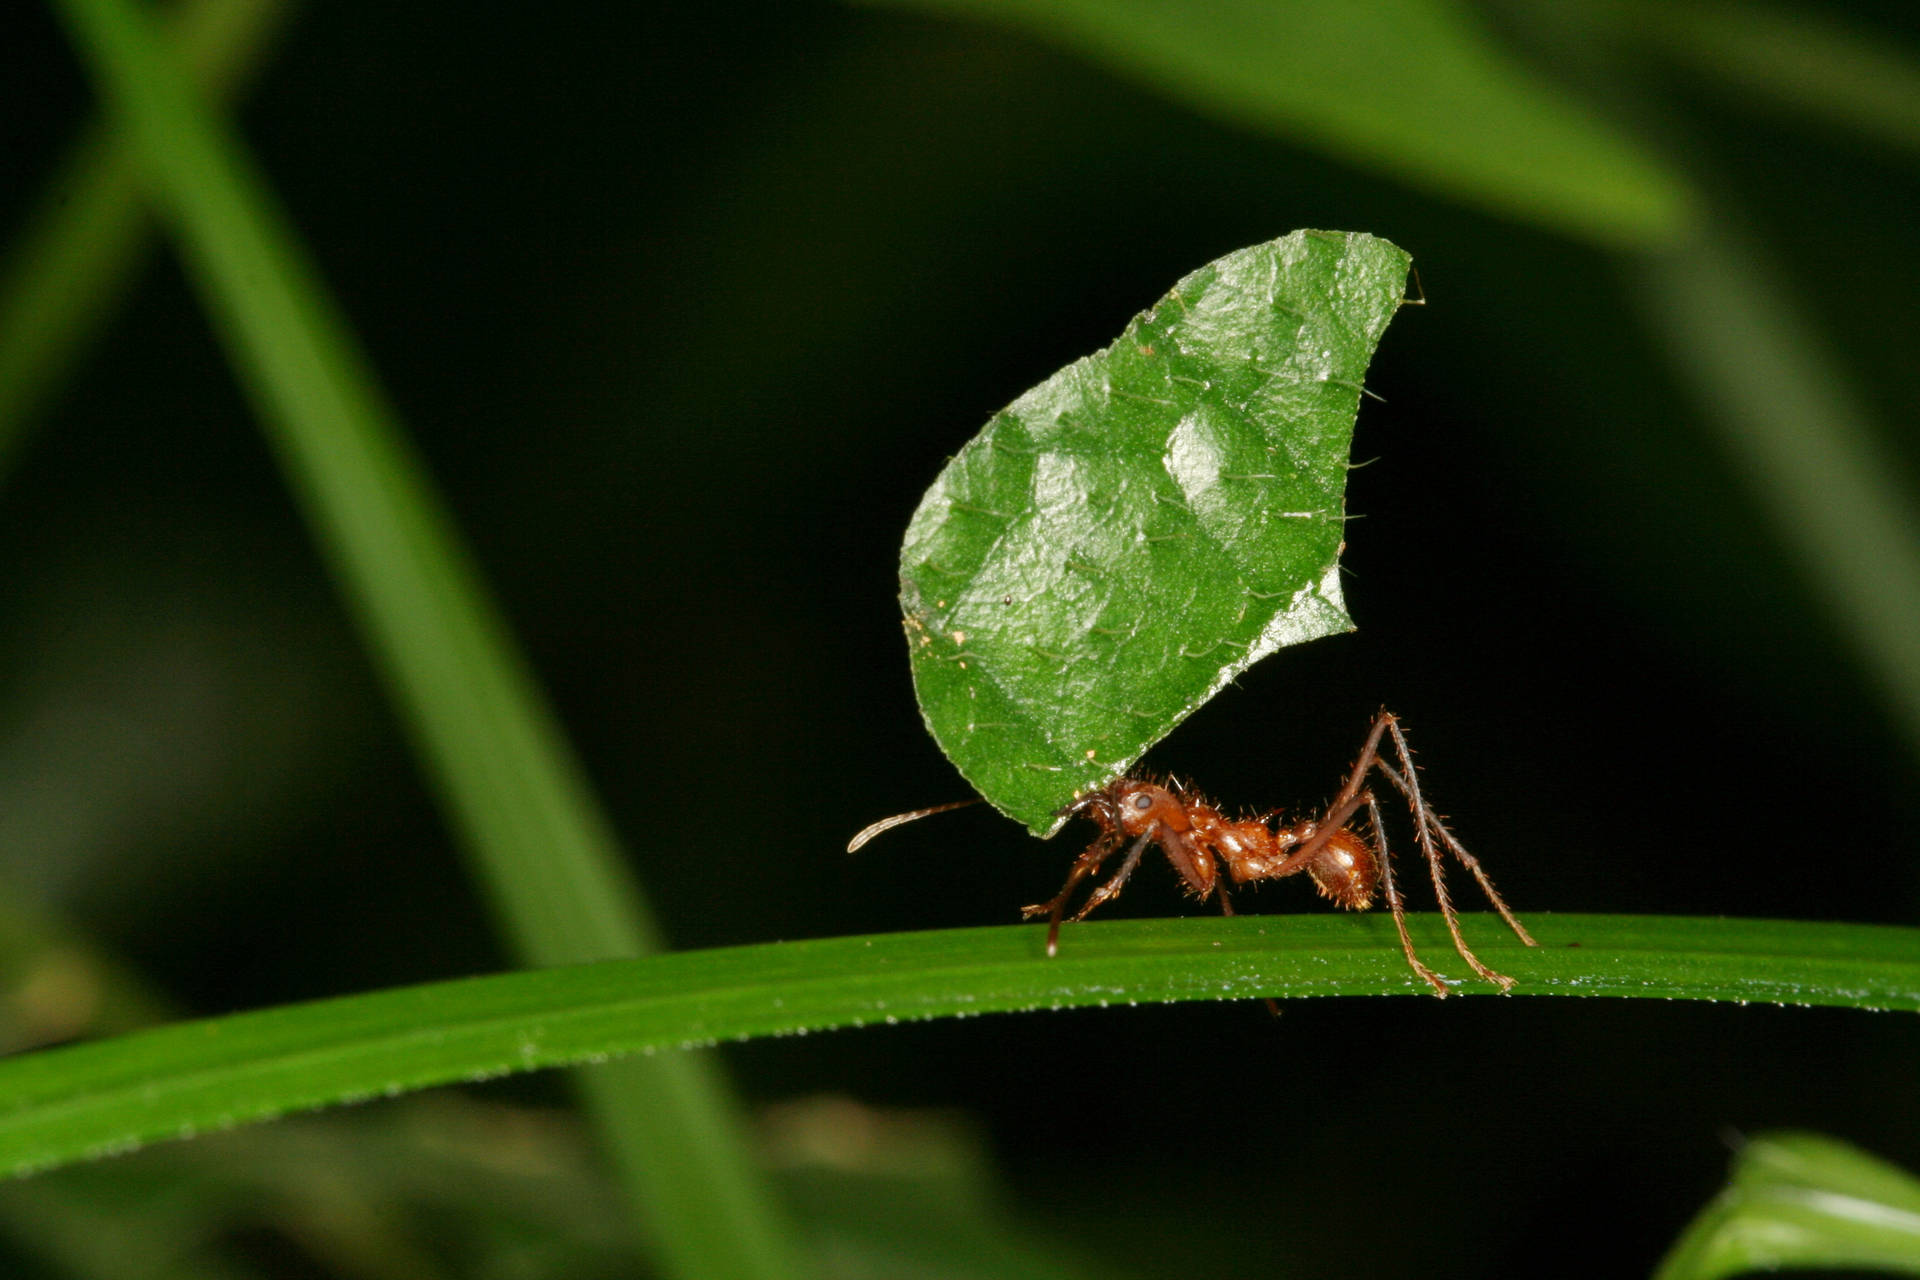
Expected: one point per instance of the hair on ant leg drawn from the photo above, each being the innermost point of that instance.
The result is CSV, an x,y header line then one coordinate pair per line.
x,y
1346,866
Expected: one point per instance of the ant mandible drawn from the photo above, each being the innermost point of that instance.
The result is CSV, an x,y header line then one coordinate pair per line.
x,y
1197,838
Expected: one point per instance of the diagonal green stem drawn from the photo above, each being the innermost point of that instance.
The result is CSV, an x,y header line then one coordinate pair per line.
x,y
541,845
1804,443
98,1098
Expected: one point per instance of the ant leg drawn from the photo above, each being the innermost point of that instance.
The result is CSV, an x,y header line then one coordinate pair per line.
x,y
1467,860
1336,820
1083,866
1347,803
1427,823
1118,880
1395,903
1407,779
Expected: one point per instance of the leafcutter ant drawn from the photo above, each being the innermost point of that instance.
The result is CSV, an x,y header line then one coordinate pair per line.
x,y
1345,865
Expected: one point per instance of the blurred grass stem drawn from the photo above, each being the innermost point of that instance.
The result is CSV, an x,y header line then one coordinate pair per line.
x,y
490,745
1807,447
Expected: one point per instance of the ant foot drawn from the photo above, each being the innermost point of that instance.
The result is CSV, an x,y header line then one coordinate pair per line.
x,y
1051,909
1498,979
1434,980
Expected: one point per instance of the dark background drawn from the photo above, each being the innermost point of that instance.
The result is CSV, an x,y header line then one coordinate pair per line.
x,y
685,316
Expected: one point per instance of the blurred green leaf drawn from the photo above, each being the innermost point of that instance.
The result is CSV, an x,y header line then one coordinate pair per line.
x,y
110,1096
1139,529
1803,59
1802,1200
447,1184
894,1193
58,984
1414,88
435,1187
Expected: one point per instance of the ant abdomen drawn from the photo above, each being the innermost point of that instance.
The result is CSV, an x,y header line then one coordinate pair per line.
x,y
1346,870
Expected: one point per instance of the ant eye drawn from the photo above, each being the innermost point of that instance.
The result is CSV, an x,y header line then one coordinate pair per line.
x,y
1143,802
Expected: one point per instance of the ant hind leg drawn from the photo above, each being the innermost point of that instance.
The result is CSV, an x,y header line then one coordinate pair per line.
x,y
1426,824
1395,903
1470,862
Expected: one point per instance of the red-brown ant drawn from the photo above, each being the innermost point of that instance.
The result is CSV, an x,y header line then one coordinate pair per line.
x,y
1344,865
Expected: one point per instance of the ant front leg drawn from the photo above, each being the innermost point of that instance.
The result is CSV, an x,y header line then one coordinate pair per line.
x,y
1083,866
1118,880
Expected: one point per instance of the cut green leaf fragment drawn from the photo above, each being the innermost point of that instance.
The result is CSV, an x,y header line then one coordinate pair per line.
x,y
1801,1200
1142,527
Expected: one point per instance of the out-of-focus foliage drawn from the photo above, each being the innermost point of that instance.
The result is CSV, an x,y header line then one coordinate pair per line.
x,y
1803,1201
681,312
1419,89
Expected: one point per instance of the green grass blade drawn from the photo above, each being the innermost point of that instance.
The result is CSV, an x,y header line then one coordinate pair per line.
x,y
1800,1200
72,260
1135,532
543,848
108,1096
1418,89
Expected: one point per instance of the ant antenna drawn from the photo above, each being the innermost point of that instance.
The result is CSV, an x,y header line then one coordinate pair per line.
x,y
901,819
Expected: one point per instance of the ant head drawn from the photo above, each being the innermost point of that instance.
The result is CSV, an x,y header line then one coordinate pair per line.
x,y
1138,803
1107,807
1127,805
1095,806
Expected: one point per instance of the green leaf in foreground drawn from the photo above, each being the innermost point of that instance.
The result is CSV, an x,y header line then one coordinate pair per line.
x,y
1802,1200
1130,535
60,1105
